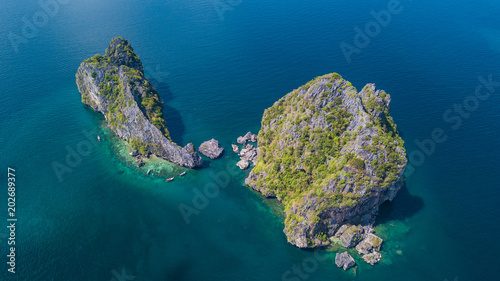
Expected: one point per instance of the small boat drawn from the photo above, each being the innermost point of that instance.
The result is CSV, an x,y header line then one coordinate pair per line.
x,y
182,174
98,138
170,179
149,171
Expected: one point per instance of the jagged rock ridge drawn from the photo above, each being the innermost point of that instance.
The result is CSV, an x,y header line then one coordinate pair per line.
x,y
115,85
331,155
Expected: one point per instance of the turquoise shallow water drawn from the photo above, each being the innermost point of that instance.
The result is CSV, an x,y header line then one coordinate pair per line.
x,y
216,76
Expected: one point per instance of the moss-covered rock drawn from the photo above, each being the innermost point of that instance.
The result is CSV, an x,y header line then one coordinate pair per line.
x,y
351,236
370,243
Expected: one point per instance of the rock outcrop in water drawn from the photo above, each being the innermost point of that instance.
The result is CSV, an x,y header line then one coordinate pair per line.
x,y
369,248
331,155
114,84
344,260
248,137
351,236
211,149
248,153
243,164
236,149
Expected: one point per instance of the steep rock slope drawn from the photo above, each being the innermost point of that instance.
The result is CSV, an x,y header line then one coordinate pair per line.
x,y
331,155
114,84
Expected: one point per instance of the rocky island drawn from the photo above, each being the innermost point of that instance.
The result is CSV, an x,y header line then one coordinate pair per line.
x,y
114,85
211,149
331,155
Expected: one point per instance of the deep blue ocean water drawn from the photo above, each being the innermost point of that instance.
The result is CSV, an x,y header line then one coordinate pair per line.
x,y
218,65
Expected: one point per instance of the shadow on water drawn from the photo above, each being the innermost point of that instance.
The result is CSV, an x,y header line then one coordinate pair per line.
x,y
174,124
172,116
402,207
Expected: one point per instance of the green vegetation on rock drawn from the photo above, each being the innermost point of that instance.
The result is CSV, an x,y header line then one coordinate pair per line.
x,y
120,67
114,84
137,144
325,146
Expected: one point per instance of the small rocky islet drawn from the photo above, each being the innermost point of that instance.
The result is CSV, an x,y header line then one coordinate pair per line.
x,y
329,153
114,85
344,260
211,149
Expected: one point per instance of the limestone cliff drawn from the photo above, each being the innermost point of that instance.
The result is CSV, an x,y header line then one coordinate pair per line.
x,y
114,84
331,155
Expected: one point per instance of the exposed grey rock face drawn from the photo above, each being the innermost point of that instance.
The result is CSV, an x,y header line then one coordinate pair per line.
x,y
249,153
367,244
211,149
332,154
344,260
243,164
236,149
372,258
248,137
370,243
118,55
341,230
368,229
115,86
241,140
253,177
351,236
